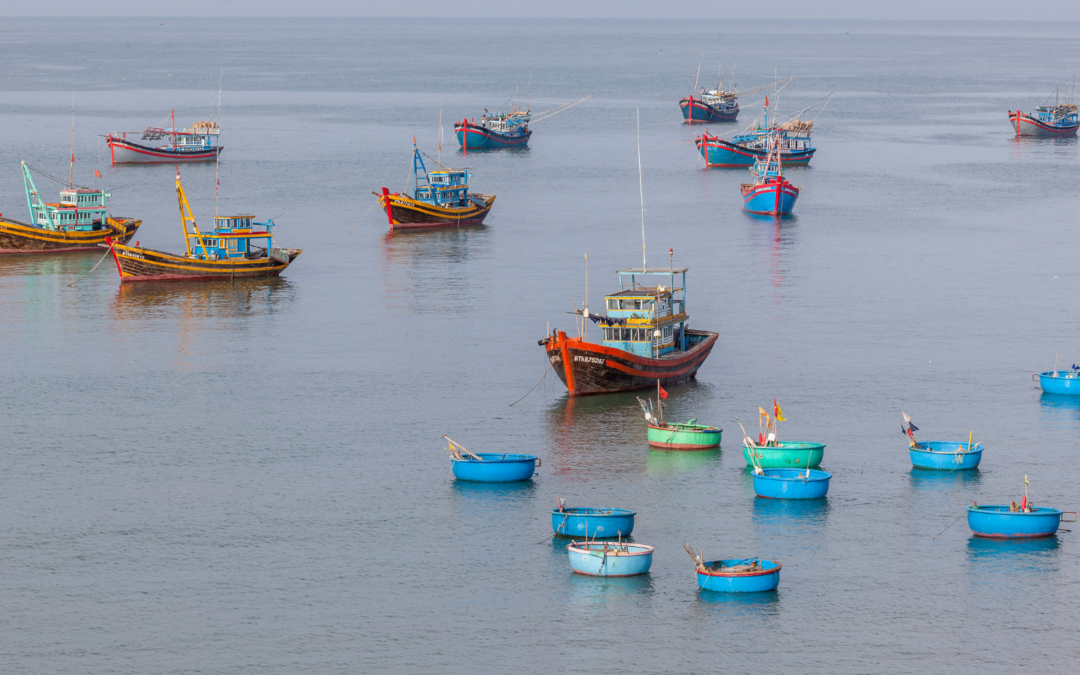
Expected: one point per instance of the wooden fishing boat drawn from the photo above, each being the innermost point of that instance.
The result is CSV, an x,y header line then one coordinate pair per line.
x,y
1056,121
609,559
441,199
735,575
200,143
234,249
490,467
715,105
78,222
645,338
770,193
1009,522
592,523
1060,381
496,130
791,483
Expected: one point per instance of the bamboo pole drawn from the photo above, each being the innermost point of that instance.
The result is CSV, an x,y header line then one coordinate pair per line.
x,y
467,451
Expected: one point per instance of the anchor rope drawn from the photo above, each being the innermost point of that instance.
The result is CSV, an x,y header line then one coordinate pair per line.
x,y
534,386
92,270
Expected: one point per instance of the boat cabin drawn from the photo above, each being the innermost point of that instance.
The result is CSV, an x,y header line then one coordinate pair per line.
x,y
1061,115
79,209
449,187
647,317
233,237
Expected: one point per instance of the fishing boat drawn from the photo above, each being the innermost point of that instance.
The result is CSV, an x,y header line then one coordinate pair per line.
x,y
792,483
940,455
766,452
770,194
1014,522
440,199
713,105
609,559
1060,381
1048,121
79,221
678,435
735,575
490,467
199,143
496,130
591,523
792,140
235,249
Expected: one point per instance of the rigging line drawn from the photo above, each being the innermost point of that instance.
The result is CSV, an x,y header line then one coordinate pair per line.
x,y
95,267
363,216
534,386
50,177
950,525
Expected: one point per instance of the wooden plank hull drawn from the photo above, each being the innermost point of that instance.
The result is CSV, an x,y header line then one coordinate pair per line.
x,y
404,213
144,264
126,152
588,368
1026,125
16,237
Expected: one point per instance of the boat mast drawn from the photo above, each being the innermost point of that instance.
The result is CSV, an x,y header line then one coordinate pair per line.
x,y
172,116
641,189
71,166
698,76
185,216
32,196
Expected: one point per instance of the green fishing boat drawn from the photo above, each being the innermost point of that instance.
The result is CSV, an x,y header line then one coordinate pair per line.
x,y
680,435
684,436
783,454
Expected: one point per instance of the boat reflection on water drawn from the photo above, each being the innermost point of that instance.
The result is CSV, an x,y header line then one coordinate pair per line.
x,y
773,235
596,436
1003,559
786,517
671,462
205,300
423,270
927,481
74,264
1060,406
585,592
736,613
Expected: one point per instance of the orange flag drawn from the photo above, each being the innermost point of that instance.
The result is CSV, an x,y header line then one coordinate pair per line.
x,y
97,173
777,412
663,393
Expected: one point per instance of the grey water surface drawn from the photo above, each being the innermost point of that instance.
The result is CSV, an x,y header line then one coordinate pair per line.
x,y
249,477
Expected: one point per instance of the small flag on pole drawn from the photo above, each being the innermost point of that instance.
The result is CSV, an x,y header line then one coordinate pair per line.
x,y
912,427
766,101
1025,481
663,393
777,412
97,173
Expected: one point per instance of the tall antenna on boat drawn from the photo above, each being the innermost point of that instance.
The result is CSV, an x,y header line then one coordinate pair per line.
x,y
71,166
698,76
528,106
217,182
585,309
720,87
641,187
221,77
440,130
734,85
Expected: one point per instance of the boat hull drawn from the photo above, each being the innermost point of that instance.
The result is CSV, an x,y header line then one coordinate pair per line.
x,y
792,484
495,468
946,456
683,439
596,560
592,523
997,522
404,213
16,237
1057,382
786,455
125,152
697,111
588,368
474,137
719,153
740,582
1026,125
145,264
775,198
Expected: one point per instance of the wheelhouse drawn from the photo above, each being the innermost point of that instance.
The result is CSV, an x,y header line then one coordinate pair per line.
x,y
233,237
79,209
445,187
647,317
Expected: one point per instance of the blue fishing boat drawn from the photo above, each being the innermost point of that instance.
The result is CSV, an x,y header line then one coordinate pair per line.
x,y
1060,381
591,523
940,455
714,105
770,193
490,467
1014,522
735,575
792,141
609,559
496,130
791,483
1048,121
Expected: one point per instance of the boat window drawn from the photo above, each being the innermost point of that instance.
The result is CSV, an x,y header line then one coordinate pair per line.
x,y
612,303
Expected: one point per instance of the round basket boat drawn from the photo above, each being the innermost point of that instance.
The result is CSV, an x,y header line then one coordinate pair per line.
x,y
1059,382
609,559
590,523
684,436
792,483
785,455
495,467
739,576
999,522
946,455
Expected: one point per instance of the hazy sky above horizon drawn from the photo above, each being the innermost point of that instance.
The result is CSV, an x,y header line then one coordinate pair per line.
x,y
934,10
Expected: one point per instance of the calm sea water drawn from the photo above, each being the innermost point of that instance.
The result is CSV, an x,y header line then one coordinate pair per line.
x,y
248,478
